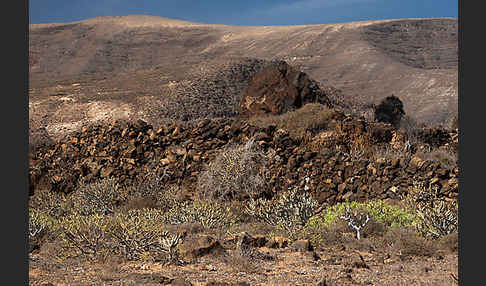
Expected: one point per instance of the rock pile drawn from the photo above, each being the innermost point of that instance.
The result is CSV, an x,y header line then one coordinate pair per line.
x,y
323,164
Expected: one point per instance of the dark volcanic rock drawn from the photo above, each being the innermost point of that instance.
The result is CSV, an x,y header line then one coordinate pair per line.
x,y
279,88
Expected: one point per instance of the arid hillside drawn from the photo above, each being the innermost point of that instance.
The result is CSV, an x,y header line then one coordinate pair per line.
x,y
129,67
192,154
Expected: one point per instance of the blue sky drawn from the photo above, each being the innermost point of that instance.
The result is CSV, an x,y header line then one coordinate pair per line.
x,y
249,12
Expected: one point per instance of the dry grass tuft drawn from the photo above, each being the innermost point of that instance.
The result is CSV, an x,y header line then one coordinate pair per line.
x,y
241,263
312,117
407,243
450,242
446,158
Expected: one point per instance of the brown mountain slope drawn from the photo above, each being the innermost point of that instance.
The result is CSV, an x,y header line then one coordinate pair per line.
x,y
116,67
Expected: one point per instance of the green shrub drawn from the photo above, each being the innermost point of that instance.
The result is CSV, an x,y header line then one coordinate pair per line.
x,y
328,226
382,212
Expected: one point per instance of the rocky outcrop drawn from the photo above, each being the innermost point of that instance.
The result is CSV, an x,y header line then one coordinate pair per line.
x,y
279,88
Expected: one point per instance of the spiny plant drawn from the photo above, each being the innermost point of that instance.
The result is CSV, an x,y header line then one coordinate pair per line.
x,y
135,234
40,224
292,208
436,216
101,197
140,232
208,214
53,204
85,235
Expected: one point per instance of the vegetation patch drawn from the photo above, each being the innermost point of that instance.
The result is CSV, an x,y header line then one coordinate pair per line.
x,y
374,217
379,210
312,117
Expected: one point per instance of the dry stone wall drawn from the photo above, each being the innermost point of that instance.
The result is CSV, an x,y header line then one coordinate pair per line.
x,y
127,150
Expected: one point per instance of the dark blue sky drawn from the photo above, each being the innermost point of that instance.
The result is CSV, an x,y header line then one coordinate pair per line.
x,y
249,12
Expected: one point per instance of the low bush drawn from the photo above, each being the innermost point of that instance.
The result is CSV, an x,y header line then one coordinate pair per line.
x,y
208,214
411,128
241,263
291,209
101,197
449,242
163,197
329,227
85,236
387,152
235,174
446,158
435,215
138,203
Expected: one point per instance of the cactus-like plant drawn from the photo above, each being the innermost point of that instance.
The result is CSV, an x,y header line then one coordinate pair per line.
x,y
39,224
293,208
209,215
136,232
86,235
436,215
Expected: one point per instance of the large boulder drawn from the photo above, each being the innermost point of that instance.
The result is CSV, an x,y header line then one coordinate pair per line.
x,y
279,88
